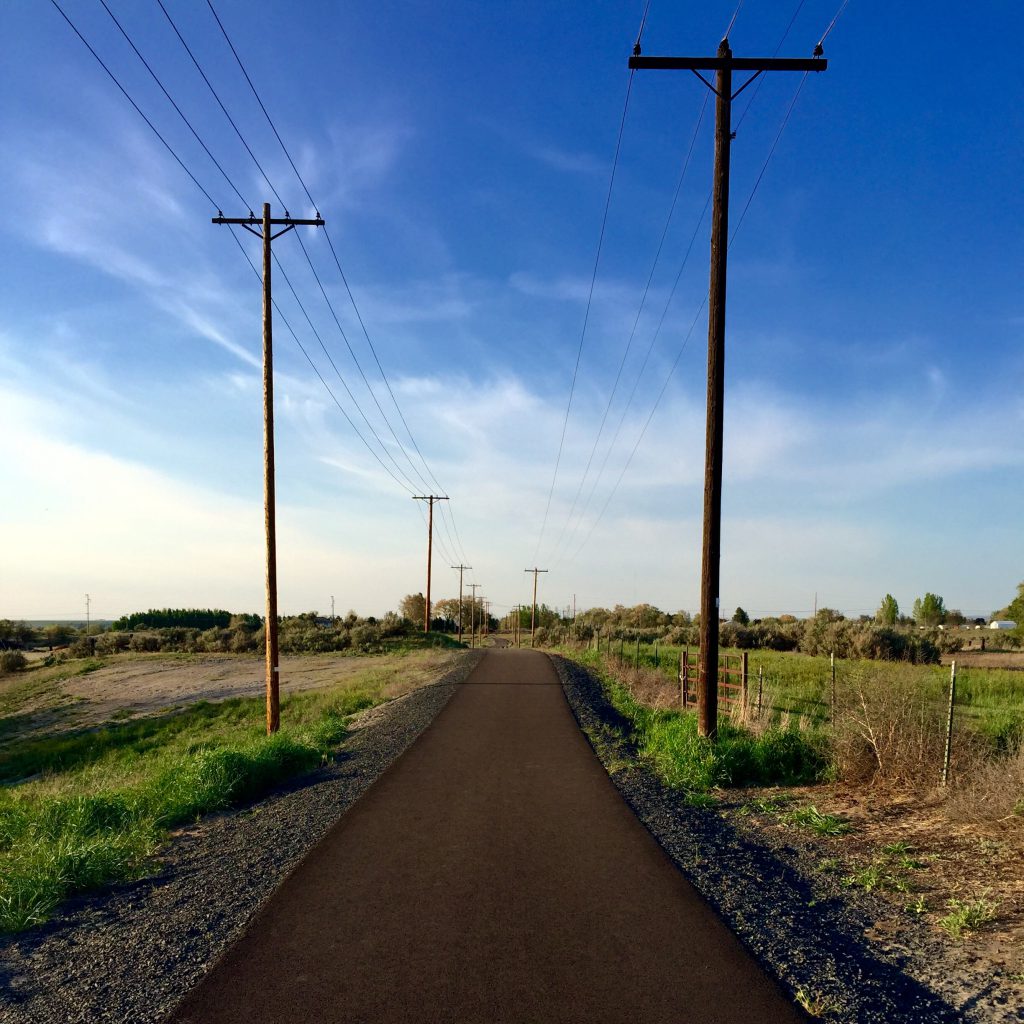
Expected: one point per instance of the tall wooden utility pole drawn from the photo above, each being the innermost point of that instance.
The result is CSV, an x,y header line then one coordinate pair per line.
x,y
429,499
472,616
723,64
461,568
533,616
267,234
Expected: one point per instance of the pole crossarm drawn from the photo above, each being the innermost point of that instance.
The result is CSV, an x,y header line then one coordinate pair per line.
x,y
728,63
290,222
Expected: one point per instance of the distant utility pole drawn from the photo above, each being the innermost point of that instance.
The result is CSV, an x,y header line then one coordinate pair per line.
x,y
723,64
87,599
461,568
332,609
267,234
472,615
533,617
429,499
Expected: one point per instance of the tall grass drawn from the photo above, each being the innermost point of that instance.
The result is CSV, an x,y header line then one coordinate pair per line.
x,y
94,807
668,739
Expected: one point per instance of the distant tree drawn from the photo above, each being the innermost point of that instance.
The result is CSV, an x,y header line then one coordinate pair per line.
x,y
413,607
929,610
741,617
57,634
955,617
888,613
1014,611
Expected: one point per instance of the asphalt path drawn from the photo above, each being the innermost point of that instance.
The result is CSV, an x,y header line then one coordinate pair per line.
x,y
492,874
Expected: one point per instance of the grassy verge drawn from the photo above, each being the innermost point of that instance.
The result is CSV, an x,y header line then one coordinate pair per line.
x,y
668,740
93,807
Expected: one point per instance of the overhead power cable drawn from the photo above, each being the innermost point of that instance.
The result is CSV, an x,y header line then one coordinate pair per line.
x,y
636,320
138,109
316,370
216,206
344,279
170,99
586,315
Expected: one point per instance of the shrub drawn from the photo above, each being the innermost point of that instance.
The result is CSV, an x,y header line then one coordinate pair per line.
x,y
12,661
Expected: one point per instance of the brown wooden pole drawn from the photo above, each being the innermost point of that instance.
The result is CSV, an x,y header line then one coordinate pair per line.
x,y
533,614
273,680
707,675
430,553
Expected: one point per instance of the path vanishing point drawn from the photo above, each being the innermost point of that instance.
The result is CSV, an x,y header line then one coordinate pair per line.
x,y
492,874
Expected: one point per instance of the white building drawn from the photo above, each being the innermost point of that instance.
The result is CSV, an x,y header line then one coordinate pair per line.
x,y
1002,624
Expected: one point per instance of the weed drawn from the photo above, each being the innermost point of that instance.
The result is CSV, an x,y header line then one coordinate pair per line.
x,y
701,800
771,804
814,1003
918,906
967,916
829,865
897,849
823,824
867,878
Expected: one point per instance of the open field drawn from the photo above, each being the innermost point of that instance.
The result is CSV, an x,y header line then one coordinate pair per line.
x,y
88,692
98,761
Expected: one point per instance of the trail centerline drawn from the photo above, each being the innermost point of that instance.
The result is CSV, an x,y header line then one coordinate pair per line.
x,y
492,874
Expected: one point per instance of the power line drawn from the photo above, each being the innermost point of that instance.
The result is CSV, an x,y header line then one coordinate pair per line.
x,y
348,289
138,109
316,370
586,315
170,99
636,320
270,184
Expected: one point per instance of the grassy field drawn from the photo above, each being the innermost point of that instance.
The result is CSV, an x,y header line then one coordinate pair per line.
x,y
988,700
81,808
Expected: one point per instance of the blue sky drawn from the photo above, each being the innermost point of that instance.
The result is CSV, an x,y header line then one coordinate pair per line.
x,y
875,408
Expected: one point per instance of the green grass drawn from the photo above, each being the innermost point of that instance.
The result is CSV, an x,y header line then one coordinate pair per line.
x,y
816,821
989,700
668,740
967,916
97,804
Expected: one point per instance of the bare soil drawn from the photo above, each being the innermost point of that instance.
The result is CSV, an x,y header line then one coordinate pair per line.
x,y
129,686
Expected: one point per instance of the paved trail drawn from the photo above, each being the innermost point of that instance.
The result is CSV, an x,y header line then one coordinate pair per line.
x,y
493,874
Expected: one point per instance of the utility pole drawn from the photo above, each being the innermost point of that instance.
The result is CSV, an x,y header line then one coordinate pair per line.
x,y
429,499
87,600
723,64
267,234
332,609
472,616
533,616
461,568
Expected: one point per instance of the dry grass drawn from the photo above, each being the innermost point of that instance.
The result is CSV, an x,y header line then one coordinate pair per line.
x,y
993,792
886,733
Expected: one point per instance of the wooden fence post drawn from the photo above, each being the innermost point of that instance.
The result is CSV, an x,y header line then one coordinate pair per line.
x,y
949,724
744,678
637,660
832,670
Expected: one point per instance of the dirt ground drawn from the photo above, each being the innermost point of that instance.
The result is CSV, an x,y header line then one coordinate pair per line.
x,y
127,686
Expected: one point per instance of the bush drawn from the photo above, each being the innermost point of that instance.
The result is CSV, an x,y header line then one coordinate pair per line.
x,y
12,661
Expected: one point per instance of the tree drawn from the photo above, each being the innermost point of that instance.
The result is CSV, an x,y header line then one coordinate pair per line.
x,y
929,610
1014,611
413,607
888,613
741,617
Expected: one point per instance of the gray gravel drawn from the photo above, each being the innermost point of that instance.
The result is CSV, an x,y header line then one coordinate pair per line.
x,y
131,952
803,926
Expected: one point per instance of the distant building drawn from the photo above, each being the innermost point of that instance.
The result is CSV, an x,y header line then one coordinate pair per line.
x,y
1002,624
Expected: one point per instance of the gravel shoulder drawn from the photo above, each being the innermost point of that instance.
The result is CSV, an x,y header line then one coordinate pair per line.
x,y
816,936
130,953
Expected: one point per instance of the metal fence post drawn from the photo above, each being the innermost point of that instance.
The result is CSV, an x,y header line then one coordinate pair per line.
x,y
744,679
760,687
637,660
949,724
832,670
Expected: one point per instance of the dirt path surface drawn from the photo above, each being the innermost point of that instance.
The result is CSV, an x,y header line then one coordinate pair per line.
x,y
491,874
